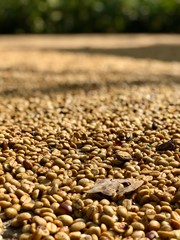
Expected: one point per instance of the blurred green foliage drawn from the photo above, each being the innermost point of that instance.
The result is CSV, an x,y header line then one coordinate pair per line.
x,y
86,16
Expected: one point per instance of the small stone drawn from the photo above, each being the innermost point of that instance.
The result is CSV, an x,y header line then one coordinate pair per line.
x,y
169,145
124,156
154,126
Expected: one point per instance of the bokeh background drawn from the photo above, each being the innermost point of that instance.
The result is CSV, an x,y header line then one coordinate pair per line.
x,y
89,16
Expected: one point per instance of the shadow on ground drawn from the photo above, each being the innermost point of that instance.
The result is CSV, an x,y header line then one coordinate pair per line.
x,y
161,52
75,87
156,52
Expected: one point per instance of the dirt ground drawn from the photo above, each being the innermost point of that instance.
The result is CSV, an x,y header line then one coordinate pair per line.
x,y
89,77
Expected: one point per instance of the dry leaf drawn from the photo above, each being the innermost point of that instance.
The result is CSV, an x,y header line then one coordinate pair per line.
x,y
115,186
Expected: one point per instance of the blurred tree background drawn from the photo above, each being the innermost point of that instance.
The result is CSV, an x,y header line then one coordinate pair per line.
x,y
86,16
